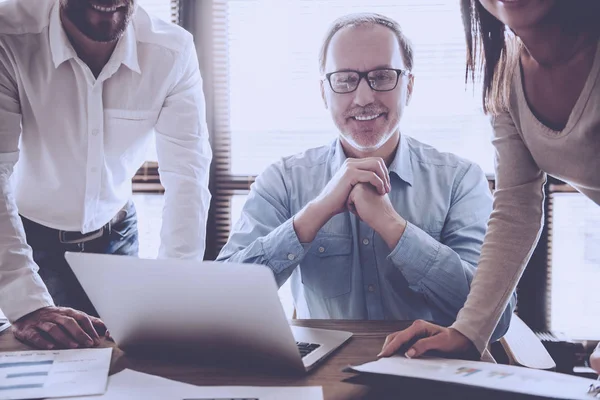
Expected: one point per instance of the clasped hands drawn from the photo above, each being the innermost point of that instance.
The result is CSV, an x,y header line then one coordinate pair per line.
x,y
362,186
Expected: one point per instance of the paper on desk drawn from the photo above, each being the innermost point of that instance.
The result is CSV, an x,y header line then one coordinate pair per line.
x,y
36,374
130,384
486,375
4,324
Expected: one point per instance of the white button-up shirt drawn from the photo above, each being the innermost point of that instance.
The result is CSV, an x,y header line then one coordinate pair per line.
x,y
79,139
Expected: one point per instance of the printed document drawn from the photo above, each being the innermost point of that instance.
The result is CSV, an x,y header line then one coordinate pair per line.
x,y
55,373
486,375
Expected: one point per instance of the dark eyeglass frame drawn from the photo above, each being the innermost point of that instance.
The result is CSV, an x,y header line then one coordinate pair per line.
x,y
361,75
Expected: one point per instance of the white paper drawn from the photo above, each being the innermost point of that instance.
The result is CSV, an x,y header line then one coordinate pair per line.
x,y
36,374
4,324
130,384
487,375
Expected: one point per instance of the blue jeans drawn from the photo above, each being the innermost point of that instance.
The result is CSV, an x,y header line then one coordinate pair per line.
x,y
49,255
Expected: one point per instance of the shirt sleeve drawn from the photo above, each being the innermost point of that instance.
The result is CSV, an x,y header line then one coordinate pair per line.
x,y
265,233
21,288
443,270
513,231
184,156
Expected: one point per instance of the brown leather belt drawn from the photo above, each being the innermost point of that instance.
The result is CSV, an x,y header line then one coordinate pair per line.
x,y
71,237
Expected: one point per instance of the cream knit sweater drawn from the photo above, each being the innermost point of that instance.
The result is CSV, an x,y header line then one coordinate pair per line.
x,y
527,150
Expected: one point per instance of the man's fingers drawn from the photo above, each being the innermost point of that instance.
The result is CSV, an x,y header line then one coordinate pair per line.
x,y
57,335
371,178
99,325
72,327
32,337
86,324
377,166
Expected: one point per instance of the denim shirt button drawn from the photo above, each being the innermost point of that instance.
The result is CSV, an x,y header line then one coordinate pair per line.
x,y
291,257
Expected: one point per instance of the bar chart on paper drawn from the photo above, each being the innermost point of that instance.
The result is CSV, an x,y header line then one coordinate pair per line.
x,y
25,374
36,374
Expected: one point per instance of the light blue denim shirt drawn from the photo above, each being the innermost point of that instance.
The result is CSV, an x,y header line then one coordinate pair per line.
x,y
348,271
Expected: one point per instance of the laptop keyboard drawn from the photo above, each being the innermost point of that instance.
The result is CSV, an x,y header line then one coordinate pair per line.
x,y
306,348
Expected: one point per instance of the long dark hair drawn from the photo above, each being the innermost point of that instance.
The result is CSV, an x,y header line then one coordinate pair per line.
x,y
493,51
487,54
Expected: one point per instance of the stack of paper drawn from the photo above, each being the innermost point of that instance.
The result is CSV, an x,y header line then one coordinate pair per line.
x,y
129,384
36,374
485,375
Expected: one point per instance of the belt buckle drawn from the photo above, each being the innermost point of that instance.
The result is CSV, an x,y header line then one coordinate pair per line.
x,y
62,237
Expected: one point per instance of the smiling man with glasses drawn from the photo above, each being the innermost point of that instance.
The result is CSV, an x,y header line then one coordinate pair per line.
x,y
375,225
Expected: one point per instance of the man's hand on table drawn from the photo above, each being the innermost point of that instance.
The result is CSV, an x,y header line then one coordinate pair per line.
x,y
59,327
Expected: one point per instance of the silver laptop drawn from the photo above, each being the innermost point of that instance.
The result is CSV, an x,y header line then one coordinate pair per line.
x,y
221,311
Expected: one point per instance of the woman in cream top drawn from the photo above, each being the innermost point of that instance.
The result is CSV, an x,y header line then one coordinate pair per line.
x,y
543,94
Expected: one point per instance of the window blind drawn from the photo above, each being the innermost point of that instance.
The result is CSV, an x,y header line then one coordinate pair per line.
x,y
265,86
147,179
573,264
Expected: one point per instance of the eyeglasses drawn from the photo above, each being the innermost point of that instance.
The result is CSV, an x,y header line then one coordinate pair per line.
x,y
379,80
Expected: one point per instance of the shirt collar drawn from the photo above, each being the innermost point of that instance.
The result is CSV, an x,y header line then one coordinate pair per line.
x,y
401,164
60,46
125,52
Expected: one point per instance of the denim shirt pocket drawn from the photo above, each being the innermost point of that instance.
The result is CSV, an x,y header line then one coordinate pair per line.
x,y
327,267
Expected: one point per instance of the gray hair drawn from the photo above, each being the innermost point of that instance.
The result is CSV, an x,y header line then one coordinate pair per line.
x,y
358,19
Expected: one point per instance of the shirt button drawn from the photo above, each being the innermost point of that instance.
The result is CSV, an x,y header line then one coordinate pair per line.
x,y
371,288
94,169
365,241
321,249
291,257
95,132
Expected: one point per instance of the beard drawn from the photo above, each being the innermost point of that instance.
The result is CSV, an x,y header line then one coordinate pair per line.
x,y
368,138
98,26
368,142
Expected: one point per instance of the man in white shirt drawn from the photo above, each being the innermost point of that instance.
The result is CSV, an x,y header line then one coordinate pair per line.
x,y
83,86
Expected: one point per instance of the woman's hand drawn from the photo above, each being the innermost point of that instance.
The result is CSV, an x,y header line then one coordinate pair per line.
x,y
424,337
595,359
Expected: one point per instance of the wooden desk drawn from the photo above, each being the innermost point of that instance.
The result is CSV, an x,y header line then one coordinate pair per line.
x,y
362,347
